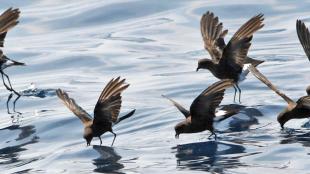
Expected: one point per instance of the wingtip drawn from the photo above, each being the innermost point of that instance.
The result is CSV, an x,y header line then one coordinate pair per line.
x,y
164,96
59,92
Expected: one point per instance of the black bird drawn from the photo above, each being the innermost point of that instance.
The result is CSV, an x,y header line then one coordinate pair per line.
x,y
202,111
228,60
105,113
8,20
294,110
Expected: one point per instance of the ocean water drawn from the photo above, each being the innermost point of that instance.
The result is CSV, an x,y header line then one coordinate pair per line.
x,y
155,44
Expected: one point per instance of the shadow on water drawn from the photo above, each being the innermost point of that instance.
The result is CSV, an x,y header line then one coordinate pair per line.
x,y
32,91
10,155
243,123
210,156
108,162
295,136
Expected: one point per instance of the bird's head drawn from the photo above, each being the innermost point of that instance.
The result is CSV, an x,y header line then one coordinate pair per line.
x,y
180,128
283,118
88,135
204,64
308,90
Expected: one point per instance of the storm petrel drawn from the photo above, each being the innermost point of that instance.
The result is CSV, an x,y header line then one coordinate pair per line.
x,y
227,61
202,112
8,20
106,110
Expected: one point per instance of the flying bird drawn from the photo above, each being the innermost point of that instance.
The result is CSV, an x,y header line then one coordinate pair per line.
x,y
227,61
294,110
106,110
8,20
202,111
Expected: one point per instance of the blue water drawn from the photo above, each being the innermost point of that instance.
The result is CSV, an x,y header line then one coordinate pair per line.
x,y
80,45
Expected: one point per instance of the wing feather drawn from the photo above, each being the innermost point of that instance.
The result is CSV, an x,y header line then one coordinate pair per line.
x,y
76,109
235,53
8,19
205,104
184,111
212,34
109,103
304,36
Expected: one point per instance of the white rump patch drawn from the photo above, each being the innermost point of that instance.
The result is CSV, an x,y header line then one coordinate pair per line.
x,y
245,72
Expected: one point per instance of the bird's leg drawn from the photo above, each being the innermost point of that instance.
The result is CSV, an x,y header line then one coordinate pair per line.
x,y
235,93
213,133
100,140
6,86
10,84
113,138
239,93
14,103
7,103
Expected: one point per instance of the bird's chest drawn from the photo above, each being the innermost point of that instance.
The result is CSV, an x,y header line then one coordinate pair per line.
x,y
202,125
225,72
101,128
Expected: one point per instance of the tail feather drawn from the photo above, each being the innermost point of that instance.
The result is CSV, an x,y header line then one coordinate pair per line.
x,y
125,116
252,61
18,63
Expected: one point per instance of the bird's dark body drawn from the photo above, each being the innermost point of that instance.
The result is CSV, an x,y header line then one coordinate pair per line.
x,y
224,71
101,128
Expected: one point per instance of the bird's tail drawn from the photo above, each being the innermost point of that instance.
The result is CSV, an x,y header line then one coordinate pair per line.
x,y
125,116
252,61
13,62
18,63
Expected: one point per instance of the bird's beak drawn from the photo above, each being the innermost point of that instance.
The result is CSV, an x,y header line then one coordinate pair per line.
x,y
88,144
282,126
176,136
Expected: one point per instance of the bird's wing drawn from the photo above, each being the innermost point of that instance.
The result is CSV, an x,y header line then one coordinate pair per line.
x,y
184,111
212,35
264,79
205,104
8,19
304,102
304,36
76,109
109,103
237,48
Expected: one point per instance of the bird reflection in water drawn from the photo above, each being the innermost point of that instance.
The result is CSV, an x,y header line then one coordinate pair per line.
x,y
30,91
238,123
296,136
211,156
13,148
108,162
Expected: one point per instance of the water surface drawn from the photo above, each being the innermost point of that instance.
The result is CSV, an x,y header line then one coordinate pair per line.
x,y
80,45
